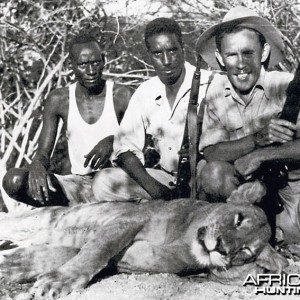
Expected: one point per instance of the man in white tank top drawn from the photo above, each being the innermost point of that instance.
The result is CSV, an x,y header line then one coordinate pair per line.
x,y
91,110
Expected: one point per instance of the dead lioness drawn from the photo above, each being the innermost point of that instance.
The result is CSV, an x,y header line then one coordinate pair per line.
x,y
64,248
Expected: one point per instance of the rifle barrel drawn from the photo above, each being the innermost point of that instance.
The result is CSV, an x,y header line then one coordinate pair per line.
x,y
195,83
291,107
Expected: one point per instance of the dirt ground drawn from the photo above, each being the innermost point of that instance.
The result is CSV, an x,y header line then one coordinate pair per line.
x,y
156,287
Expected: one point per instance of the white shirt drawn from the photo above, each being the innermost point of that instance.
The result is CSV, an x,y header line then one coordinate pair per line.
x,y
149,112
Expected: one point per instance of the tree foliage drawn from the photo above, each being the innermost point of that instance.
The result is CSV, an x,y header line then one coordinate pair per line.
x,y
33,51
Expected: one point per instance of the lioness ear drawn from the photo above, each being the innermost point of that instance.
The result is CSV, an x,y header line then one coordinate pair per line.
x,y
248,193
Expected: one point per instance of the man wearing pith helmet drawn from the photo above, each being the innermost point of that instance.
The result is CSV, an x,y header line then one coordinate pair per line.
x,y
243,105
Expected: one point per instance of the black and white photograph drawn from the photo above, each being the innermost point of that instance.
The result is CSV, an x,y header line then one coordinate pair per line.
x,y
149,149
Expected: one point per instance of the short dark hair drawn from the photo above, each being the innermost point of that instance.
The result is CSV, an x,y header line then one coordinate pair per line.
x,y
82,38
233,29
162,25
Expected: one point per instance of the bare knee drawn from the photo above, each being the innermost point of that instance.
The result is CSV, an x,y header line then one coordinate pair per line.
x,y
218,179
15,181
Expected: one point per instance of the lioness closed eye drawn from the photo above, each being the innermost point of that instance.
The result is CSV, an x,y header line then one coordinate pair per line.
x,y
63,248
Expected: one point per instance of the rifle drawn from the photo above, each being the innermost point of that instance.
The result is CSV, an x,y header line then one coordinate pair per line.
x,y
274,174
188,154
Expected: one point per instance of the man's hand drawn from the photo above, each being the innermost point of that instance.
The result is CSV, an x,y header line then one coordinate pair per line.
x,y
134,168
278,130
247,164
39,182
100,154
160,191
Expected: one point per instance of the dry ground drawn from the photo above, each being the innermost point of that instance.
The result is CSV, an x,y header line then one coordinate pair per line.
x,y
156,287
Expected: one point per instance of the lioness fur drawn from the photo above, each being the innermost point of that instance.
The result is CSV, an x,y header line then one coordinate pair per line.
x,y
64,248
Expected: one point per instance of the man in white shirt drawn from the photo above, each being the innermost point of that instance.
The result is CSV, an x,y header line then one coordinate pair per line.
x,y
158,108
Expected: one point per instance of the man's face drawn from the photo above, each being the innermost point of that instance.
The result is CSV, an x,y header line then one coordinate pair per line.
x,y
166,56
242,56
88,63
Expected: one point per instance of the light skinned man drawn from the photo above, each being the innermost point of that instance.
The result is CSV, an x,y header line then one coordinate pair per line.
x,y
241,118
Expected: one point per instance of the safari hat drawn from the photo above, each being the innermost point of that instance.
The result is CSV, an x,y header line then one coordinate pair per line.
x,y
240,15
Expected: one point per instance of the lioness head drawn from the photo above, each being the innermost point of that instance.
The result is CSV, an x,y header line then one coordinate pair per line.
x,y
232,235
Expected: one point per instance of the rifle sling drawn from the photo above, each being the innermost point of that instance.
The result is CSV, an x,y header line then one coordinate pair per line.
x,y
190,139
193,137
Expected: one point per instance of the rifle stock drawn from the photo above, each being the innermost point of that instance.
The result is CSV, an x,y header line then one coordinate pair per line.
x,y
291,107
274,174
273,171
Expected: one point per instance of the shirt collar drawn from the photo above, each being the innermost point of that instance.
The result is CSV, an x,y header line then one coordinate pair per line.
x,y
187,81
262,82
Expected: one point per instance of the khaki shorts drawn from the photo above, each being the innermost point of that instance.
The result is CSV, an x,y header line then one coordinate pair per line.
x,y
77,188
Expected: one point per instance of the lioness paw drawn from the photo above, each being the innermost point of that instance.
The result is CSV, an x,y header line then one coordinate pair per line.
x,y
46,290
271,260
249,192
236,274
55,285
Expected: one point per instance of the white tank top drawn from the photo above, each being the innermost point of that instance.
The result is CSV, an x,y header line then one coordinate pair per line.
x,y
82,137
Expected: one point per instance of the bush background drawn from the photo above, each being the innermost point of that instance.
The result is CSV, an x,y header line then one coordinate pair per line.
x,y
34,57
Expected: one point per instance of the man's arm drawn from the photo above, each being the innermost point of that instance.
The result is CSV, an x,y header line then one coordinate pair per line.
x,y
277,130
129,144
38,179
135,169
288,152
229,151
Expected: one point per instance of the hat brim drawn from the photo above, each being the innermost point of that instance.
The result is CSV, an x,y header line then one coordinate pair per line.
x,y
206,44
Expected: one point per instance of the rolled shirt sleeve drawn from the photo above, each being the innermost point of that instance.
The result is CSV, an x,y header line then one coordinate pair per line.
x,y
131,134
212,130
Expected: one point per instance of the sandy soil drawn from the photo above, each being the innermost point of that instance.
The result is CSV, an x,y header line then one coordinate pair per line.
x,y
155,287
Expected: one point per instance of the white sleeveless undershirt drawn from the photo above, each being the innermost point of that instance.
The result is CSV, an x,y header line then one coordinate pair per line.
x,y
82,137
